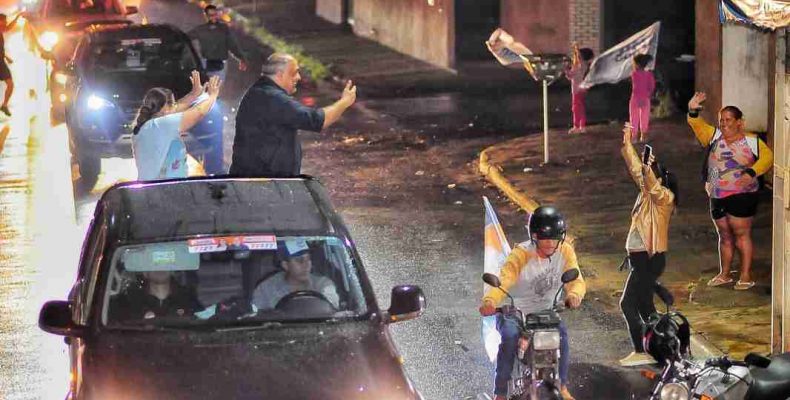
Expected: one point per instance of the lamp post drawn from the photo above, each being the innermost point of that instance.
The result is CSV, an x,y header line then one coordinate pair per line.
x,y
546,68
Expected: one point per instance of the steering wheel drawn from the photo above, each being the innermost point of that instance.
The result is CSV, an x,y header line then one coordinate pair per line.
x,y
302,294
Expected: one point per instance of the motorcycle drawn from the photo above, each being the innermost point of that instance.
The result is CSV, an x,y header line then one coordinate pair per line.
x,y
719,378
537,361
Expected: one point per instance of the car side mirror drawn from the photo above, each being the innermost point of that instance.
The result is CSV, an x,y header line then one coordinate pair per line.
x,y
131,10
570,275
55,318
407,302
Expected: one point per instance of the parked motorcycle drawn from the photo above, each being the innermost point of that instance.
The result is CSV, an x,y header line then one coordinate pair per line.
x,y
719,378
537,363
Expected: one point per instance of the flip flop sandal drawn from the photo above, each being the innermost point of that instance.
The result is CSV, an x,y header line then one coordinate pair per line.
x,y
718,281
743,285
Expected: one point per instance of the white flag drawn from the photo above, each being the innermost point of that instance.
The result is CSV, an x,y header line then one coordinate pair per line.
x,y
496,251
616,64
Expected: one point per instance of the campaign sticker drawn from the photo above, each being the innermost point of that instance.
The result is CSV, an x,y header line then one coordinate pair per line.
x,y
262,242
207,245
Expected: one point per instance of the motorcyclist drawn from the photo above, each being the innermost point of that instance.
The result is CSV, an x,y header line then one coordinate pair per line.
x,y
532,271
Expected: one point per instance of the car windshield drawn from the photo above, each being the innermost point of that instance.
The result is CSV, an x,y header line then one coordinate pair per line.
x,y
63,8
142,55
233,282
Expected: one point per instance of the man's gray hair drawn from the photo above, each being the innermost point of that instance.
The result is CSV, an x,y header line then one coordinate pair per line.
x,y
276,63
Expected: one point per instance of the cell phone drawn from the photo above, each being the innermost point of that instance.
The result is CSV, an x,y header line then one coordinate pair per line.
x,y
646,154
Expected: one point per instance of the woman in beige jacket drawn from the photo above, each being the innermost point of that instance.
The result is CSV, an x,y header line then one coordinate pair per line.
x,y
646,243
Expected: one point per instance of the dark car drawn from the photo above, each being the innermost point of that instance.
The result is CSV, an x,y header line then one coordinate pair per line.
x,y
234,325
105,82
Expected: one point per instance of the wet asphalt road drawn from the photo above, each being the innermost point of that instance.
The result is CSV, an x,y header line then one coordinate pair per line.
x,y
413,231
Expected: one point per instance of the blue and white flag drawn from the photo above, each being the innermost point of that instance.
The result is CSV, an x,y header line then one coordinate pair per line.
x,y
496,251
615,64
769,14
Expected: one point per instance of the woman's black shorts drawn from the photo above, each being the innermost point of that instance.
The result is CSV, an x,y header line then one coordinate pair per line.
x,y
5,73
742,205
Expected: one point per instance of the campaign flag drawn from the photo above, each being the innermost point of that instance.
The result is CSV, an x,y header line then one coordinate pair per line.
x,y
496,251
506,49
769,14
615,64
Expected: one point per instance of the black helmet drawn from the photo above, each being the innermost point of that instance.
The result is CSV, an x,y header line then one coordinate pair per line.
x,y
547,223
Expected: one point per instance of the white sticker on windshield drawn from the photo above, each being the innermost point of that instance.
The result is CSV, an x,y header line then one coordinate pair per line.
x,y
256,242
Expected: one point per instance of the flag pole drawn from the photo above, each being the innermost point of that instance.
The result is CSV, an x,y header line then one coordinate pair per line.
x,y
545,121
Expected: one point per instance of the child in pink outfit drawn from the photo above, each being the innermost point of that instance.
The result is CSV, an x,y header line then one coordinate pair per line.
x,y
642,86
580,65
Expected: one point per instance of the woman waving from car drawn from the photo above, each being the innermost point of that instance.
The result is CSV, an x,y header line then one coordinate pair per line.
x,y
159,152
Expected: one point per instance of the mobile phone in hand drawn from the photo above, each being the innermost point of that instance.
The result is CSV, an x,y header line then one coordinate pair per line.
x,y
646,154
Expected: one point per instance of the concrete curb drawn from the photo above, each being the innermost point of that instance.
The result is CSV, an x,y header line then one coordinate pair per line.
x,y
701,347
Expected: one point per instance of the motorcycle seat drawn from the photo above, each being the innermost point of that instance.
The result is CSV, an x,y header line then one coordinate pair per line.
x,y
773,382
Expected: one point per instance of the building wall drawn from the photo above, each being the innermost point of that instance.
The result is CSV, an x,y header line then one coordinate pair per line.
x,y
330,10
745,73
585,23
423,29
542,25
708,66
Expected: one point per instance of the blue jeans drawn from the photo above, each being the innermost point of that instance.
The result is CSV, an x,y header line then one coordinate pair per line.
x,y
509,330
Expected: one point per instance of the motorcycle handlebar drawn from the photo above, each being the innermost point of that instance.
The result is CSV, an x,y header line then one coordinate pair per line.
x,y
724,363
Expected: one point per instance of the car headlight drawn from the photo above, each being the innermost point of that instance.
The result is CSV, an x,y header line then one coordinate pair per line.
x,y
546,340
48,40
674,391
97,103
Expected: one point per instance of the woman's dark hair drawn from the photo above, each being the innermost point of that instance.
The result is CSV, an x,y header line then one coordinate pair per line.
x,y
735,111
668,180
153,102
209,8
642,60
586,53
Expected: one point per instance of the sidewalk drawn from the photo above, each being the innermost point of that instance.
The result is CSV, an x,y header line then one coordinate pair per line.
x,y
587,179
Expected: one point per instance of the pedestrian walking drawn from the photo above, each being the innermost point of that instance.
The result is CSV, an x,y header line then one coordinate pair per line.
x,y
646,244
159,151
215,42
5,72
266,143
643,84
576,72
734,160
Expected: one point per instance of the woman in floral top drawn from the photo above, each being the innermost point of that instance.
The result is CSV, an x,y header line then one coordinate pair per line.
x,y
735,159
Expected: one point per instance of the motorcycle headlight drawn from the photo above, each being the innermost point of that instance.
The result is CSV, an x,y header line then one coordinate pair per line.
x,y
97,103
674,391
546,340
48,40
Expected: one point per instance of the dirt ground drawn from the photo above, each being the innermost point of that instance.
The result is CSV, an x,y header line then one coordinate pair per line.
x,y
587,179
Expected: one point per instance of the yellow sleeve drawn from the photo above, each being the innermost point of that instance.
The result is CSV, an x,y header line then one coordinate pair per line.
x,y
633,163
702,130
766,160
577,286
508,275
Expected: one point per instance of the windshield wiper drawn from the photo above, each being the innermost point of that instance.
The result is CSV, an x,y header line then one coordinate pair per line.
x,y
265,325
153,328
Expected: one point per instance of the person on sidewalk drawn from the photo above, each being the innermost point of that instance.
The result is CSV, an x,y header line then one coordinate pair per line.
x,y
646,244
576,72
266,143
734,160
215,42
159,152
643,84
5,72
532,272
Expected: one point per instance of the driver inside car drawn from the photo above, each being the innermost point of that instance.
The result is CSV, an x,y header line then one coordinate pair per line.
x,y
159,295
296,275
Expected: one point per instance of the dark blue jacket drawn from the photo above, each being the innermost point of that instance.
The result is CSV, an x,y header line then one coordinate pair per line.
x,y
266,143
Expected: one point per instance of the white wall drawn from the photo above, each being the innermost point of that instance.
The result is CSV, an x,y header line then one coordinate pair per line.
x,y
745,79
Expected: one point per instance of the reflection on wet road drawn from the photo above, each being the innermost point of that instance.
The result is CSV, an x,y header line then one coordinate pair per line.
x,y
39,239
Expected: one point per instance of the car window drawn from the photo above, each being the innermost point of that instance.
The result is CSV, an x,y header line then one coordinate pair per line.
x,y
232,280
150,55
62,8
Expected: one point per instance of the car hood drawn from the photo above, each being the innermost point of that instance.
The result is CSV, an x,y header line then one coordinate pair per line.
x,y
348,361
130,87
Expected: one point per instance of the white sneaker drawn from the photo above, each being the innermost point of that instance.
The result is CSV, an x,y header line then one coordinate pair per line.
x,y
635,359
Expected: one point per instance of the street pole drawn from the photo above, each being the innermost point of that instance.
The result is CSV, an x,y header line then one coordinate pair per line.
x,y
545,121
